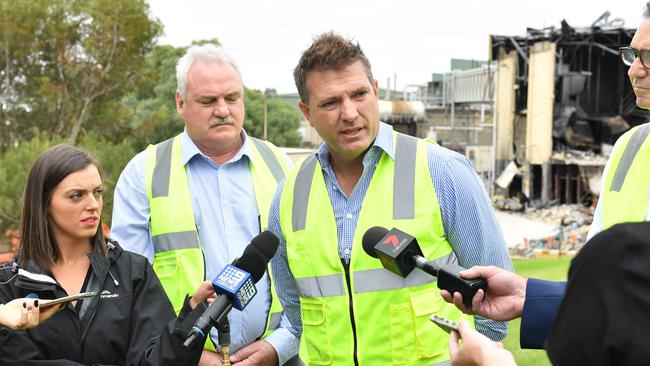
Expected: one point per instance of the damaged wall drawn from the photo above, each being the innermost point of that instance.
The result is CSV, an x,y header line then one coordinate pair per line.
x,y
576,102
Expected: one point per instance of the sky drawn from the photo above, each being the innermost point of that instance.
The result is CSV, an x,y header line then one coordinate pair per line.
x,y
406,40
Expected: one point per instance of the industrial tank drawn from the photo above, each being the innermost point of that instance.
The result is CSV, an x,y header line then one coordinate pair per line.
x,y
399,111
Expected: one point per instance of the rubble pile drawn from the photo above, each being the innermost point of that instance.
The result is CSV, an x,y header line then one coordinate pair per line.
x,y
570,227
578,157
557,214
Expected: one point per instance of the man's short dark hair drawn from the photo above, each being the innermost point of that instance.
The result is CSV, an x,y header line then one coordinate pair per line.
x,y
329,51
646,12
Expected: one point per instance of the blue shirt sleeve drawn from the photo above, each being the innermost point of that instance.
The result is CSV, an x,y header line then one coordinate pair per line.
x,y
285,343
468,220
285,285
130,221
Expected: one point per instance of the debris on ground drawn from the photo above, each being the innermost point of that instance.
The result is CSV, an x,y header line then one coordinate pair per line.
x,y
550,230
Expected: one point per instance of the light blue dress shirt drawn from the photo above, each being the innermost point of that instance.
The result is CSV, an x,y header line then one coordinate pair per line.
x,y
227,218
467,218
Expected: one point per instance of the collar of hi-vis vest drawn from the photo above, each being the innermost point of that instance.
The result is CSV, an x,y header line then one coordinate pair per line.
x,y
189,149
162,174
404,183
631,149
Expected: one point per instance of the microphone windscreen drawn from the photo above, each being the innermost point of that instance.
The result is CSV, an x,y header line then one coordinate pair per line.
x,y
267,244
371,238
253,262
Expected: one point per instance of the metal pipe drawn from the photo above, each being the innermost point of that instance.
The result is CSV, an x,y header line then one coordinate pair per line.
x,y
495,130
519,49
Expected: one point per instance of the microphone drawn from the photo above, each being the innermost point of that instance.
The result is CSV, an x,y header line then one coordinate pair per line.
x,y
400,253
235,284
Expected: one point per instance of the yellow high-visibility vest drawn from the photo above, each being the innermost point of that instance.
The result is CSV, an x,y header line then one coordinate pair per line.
x,y
178,259
368,313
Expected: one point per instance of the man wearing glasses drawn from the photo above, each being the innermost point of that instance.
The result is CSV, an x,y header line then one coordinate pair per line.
x,y
625,198
626,182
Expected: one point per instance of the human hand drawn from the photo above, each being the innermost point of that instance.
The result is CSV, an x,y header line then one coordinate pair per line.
x,y
205,291
257,353
210,359
476,349
504,299
24,313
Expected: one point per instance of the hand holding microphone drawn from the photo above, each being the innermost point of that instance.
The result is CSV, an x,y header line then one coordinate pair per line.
x,y
400,253
502,300
235,284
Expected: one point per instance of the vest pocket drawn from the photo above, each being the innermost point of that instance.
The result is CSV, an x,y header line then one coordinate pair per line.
x,y
431,340
402,334
413,336
315,331
166,265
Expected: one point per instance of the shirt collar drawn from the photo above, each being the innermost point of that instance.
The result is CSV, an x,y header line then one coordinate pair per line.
x,y
383,143
190,150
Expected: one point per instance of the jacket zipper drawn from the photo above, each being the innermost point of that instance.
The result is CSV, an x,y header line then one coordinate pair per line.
x,y
346,266
95,301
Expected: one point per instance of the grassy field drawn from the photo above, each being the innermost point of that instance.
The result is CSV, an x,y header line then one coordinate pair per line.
x,y
548,269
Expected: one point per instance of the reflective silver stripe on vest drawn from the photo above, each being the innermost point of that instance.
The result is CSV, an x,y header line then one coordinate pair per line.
x,y
270,159
274,320
630,152
404,183
321,286
160,179
443,363
175,241
384,280
301,190
404,177
367,281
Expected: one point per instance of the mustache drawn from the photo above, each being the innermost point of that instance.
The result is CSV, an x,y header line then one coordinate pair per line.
x,y
219,121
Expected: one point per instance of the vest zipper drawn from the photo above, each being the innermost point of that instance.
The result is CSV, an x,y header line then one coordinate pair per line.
x,y
346,266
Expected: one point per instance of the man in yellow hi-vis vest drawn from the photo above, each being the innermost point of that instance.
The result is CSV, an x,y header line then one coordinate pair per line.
x,y
348,309
192,203
625,190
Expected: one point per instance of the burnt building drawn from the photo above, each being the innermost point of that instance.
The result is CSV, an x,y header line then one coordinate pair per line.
x,y
563,98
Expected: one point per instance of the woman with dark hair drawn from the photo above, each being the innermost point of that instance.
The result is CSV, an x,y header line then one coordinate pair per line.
x,y
64,252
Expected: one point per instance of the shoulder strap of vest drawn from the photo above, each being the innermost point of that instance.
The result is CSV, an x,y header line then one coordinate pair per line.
x,y
162,169
404,182
631,149
404,176
270,158
301,189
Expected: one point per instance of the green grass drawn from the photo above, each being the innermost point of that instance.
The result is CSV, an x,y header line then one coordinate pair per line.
x,y
548,269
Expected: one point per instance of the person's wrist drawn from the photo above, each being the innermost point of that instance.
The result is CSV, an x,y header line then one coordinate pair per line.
x,y
193,303
521,294
2,319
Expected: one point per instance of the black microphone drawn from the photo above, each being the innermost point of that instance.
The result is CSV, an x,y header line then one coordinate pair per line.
x,y
399,253
235,284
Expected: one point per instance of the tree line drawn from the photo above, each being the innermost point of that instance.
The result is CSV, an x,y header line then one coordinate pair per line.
x,y
91,73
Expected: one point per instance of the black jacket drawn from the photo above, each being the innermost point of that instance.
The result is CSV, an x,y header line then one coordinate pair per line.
x,y
129,322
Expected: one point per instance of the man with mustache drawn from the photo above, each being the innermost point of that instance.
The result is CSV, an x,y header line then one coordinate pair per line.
x,y
192,203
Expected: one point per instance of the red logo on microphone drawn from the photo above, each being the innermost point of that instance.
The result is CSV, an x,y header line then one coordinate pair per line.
x,y
392,240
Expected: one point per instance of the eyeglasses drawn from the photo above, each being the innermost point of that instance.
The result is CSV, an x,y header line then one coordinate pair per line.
x,y
629,54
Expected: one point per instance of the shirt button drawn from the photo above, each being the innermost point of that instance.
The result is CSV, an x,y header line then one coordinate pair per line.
x,y
349,216
347,252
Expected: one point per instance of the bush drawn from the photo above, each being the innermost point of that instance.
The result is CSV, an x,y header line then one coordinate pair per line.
x,y
15,163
